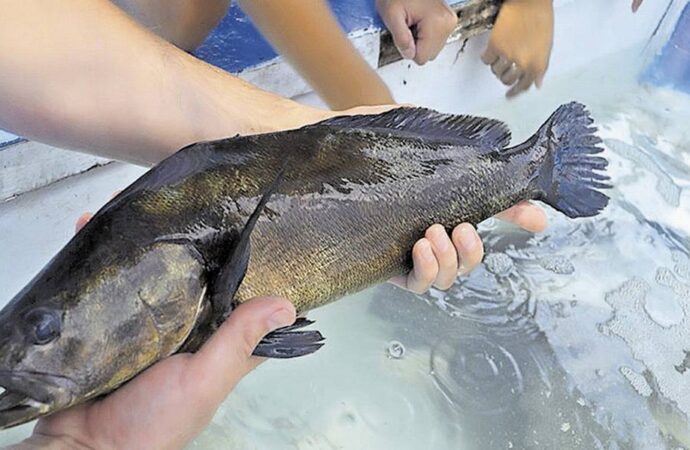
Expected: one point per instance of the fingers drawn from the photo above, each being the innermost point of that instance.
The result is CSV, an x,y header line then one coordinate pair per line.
x,y
500,66
229,350
522,85
636,5
434,21
424,267
432,33
436,262
445,254
82,220
539,79
525,215
469,247
438,259
511,75
395,18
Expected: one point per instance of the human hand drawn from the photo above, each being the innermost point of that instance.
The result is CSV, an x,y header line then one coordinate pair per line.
x,y
168,404
433,19
438,259
520,44
172,401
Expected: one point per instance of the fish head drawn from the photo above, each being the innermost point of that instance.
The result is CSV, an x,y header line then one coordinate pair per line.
x,y
82,328
33,378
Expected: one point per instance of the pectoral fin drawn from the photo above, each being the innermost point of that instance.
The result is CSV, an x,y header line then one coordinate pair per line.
x,y
286,342
290,342
234,264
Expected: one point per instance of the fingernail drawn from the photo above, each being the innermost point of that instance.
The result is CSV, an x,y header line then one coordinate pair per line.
x,y
428,253
468,240
462,270
440,240
281,318
407,53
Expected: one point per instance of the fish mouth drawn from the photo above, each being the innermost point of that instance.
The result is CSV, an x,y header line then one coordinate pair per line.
x,y
30,394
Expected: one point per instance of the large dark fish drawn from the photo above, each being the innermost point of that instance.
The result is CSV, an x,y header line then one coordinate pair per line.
x,y
311,214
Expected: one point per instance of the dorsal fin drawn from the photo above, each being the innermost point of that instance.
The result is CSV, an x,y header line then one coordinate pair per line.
x,y
427,123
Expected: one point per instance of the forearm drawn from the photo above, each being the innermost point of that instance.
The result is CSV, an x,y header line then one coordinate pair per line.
x,y
538,6
81,74
309,37
185,23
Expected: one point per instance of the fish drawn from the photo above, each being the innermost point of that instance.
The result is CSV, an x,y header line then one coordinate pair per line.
x,y
312,214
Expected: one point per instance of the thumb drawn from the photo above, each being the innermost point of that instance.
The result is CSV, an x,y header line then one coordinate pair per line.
x,y
229,350
395,19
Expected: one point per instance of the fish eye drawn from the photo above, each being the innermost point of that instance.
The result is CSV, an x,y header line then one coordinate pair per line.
x,y
44,325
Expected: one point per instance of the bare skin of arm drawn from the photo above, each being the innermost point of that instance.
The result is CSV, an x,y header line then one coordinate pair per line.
x,y
304,32
184,23
81,74
307,34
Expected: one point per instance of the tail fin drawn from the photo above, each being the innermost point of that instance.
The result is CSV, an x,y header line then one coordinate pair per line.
x,y
570,176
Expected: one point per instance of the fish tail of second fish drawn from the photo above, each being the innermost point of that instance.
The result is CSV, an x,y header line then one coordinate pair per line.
x,y
571,175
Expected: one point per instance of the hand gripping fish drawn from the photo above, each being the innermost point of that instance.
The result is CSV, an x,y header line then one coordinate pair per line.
x,y
312,214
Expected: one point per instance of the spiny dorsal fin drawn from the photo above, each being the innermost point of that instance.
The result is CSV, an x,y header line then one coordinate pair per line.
x,y
423,122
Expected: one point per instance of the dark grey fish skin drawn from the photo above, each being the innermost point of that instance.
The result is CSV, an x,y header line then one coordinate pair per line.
x,y
311,214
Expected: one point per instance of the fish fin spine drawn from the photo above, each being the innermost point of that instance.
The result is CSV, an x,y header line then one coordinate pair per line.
x,y
489,134
290,341
571,176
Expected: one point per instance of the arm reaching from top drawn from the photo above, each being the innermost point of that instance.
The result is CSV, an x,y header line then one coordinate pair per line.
x,y
520,44
307,34
434,21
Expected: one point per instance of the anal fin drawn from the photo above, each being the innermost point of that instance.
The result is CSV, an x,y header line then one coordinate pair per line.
x,y
290,341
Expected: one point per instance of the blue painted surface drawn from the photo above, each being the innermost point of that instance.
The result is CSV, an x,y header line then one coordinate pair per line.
x,y
235,44
6,142
672,66
7,139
